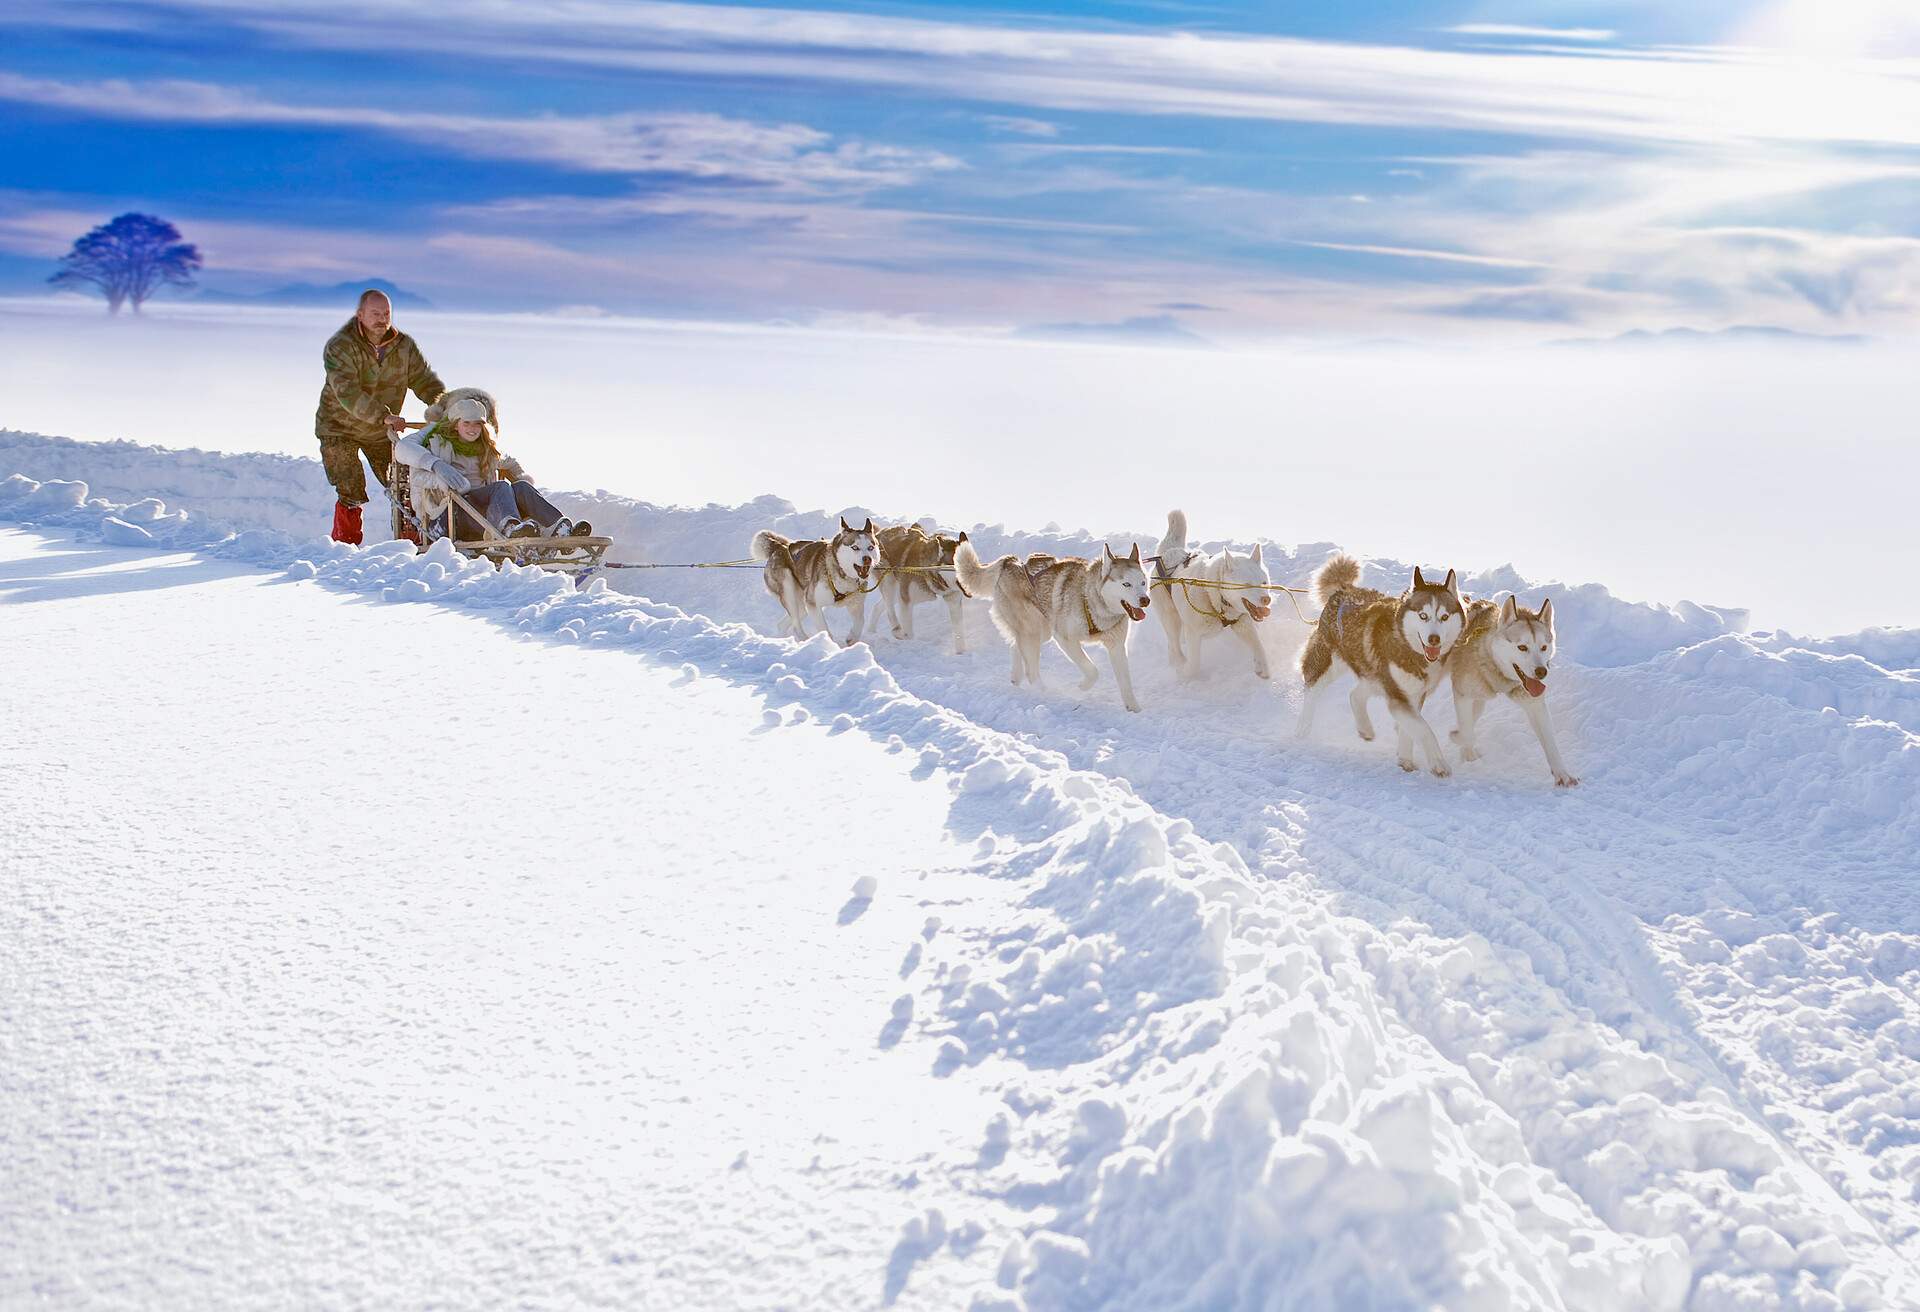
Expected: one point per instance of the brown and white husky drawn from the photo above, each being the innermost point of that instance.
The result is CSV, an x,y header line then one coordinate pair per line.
x,y
807,577
914,565
1394,646
1505,652
1070,600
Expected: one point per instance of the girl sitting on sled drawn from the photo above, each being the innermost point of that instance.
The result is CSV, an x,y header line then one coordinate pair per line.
x,y
458,451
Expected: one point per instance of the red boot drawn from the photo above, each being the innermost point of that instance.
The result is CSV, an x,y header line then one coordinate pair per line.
x,y
346,523
410,533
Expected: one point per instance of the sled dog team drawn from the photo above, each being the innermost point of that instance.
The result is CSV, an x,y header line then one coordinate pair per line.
x,y
1399,648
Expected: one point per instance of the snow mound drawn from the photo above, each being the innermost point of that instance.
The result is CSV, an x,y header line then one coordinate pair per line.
x,y
1279,1028
288,495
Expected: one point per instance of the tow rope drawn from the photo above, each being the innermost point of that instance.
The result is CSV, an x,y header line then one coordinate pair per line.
x,y
1292,593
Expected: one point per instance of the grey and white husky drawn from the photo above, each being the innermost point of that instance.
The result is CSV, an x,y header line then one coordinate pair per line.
x,y
1395,646
807,577
914,566
1505,651
1070,600
1193,612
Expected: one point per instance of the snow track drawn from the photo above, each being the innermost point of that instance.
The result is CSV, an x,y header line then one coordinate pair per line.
x,y
1273,1025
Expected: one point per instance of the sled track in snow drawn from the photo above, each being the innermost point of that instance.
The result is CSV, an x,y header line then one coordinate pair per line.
x,y
1495,857
1690,984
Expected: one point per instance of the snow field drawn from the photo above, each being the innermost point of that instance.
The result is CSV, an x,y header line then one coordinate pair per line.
x,y
1273,1026
295,1018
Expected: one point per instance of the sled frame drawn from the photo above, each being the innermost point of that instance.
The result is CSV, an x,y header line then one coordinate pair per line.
x,y
570,555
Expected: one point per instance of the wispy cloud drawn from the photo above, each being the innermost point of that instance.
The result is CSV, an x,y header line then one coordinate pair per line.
x,y
1414,253
1580,180
1023,127
1674,95
1528,305
692,145
1534,33
1095,148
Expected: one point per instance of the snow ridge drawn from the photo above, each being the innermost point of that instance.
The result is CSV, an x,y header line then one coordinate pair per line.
x,y
1358,1053
291,496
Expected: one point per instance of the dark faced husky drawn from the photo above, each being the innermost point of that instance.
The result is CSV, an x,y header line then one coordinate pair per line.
x,y
1193,612
1072,601
1505,652
911,561
806,577
1394,646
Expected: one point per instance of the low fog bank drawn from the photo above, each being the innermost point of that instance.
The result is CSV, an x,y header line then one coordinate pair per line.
x,y
1776,478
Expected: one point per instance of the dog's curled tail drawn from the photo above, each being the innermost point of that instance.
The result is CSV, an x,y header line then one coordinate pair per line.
x,y
1174,544
976,580
766,542
1338,574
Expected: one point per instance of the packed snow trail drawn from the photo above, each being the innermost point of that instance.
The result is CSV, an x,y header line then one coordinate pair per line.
x,y
1651,1044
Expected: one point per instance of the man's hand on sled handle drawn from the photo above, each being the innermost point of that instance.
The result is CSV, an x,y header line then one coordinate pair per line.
x,y
398,424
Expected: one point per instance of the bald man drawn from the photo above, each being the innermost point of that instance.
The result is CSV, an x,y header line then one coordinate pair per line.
x,y
371,365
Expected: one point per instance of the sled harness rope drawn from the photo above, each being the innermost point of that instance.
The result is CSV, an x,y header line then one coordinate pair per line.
x,y
838,595
1162,573
761,564
1187,584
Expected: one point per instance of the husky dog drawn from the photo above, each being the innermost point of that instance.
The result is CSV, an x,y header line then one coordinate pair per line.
x,y
1192,612
1395,646
1072,601
920,553
1505,651
804,577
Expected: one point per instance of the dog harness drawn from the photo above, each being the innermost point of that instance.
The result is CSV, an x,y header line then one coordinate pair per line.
x,y
1163,575
1086,608
833,564
839,597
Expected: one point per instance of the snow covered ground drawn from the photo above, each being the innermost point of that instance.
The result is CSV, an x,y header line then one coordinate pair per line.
x,y
1145,1011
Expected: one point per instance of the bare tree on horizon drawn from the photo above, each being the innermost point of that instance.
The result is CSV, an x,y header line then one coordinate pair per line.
x,y
129,259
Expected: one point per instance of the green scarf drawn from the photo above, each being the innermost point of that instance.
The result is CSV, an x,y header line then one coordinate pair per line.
x,y
450,434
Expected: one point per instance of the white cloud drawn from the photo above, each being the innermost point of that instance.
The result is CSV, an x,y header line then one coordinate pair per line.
x,y
1534,33
1415,253
694,145
1723,95
1095,148
1836,28
1649,197
1023,127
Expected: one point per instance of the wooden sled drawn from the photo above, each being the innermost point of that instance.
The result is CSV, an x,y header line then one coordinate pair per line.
x,y
576,555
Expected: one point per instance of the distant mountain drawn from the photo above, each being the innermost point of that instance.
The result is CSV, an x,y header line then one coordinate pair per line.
x,y
1158,329
1739,334
305,293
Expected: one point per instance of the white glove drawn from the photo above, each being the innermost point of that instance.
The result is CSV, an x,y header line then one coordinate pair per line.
x,y
454,480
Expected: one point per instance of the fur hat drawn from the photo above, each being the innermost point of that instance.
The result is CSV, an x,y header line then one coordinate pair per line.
x,y
465,403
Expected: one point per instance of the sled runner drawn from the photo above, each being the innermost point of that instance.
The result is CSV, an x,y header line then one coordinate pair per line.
x,y
577,556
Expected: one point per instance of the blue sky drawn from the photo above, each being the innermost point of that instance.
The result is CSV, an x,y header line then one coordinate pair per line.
x,y
1239,171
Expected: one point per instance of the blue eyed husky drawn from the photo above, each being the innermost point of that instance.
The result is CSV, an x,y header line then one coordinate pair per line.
x,y
807,577
1505,652
1072,601
1396,647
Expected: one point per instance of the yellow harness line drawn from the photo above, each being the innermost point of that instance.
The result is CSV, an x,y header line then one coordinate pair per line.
x,y
708,564
1293,594
761,564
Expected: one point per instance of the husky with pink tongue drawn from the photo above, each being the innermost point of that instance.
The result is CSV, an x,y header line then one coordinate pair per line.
x,y
1395,647
1506,652
1072,601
